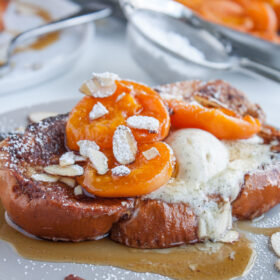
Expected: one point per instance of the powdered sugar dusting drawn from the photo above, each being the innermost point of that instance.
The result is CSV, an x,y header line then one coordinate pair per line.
x,y
120,170
39,144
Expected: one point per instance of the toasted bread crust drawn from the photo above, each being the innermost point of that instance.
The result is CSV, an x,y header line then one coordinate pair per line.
x,y
157,224
259,194
52,211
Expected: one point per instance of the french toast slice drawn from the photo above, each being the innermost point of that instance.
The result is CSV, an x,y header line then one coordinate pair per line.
x,y
52,211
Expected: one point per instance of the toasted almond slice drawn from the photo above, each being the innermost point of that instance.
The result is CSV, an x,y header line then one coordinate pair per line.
x,y
120,97
42,177
99,161
71,170
78,190
120,171
143,122
85,147
79,158
232,255
275,243
98,111
230,237
277,265
36,117
66,159
124,145
208,101
68,181
101,85
151,153
193,267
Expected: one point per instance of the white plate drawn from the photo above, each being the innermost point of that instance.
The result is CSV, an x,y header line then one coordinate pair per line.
x,y
14,267
36,66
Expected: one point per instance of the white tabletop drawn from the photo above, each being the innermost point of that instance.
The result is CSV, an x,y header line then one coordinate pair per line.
x,y
109,52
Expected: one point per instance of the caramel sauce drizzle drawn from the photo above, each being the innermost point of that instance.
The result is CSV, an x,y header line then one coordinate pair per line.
x,y
249,227
201,261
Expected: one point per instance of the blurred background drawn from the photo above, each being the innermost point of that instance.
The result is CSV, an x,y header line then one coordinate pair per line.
x,y
151,41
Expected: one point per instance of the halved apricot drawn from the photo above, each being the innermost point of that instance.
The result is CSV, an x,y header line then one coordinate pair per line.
x,y
226,12
222,123
129,99
145,176
263,15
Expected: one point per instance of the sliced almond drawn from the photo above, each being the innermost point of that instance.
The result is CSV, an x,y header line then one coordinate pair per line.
x,y
45,178
275,243
232,255
100,85
79,158
151,153
124,145
68,181
98,111
85,147
99,161
120,171
71,170
208,101
193,267
78,190
120,97
230,237
66,159
36,117
143,122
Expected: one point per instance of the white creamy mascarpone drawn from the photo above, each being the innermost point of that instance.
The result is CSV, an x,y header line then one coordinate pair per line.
x,y
208,166
199,155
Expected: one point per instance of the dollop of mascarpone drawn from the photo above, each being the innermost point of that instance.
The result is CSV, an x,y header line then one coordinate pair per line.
x,y
200,155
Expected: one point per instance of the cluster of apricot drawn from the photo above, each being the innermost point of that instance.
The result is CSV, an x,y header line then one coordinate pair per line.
x,y
260,18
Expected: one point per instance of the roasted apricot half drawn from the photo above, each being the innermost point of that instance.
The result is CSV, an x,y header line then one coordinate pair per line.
x,y
129,99
222,123
146,175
